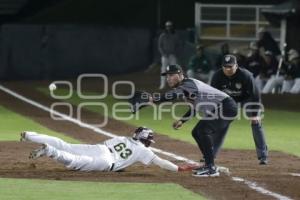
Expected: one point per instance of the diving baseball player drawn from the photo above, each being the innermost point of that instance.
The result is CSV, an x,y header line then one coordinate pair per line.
x,y
240,85
112,155
219,110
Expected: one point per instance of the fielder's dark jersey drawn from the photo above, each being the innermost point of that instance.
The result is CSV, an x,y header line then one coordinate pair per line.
x,y
241,86
203,97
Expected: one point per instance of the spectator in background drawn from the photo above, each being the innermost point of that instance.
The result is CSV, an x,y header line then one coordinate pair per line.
x,y
254,61
267,43
268,69
241,59
291,83
168,46
276,78
224,51
199,66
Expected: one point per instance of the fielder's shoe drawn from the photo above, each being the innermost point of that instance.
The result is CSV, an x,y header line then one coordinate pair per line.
x,y
38,152
263,161
207,172
23,137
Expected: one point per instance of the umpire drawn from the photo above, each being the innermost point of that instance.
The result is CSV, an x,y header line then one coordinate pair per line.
x,y
240,85
214,104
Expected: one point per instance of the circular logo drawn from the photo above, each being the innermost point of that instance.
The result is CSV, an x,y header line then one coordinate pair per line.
x,y
227,58
238,85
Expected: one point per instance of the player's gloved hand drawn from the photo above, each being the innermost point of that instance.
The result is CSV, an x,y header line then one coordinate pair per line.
x,y
187,167
177,124
139,100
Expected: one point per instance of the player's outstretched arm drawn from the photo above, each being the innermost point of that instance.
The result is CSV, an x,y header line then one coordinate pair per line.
x,y
165,164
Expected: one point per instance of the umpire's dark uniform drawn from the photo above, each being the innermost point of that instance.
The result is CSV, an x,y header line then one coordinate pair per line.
x,y
241,87
213,104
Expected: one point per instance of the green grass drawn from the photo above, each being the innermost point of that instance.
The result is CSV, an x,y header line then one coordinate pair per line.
x,y
281,127
17,189
12,124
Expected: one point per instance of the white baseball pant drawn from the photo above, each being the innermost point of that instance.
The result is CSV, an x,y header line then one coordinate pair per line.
x,y
291,86
260,83
83,157
272,83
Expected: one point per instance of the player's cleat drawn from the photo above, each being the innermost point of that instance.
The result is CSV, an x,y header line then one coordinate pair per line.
x,y
23,137
206,171
38,152
263,161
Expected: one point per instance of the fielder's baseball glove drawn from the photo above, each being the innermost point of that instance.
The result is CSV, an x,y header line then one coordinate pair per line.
x,y
139,100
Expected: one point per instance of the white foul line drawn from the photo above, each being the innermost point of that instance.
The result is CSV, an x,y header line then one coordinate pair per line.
x,y
294,174
250,184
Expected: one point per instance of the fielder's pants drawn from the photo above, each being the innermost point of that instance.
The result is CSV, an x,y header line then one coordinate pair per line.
x,y
83,157
211,132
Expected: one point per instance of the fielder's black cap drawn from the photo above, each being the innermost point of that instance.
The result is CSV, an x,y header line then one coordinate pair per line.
x,y
229,60
172,69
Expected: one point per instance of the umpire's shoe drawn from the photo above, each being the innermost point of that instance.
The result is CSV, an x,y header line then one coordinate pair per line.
x,y
38,152
263,161
207,171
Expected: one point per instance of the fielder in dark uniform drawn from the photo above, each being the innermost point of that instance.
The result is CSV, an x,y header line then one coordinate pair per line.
x,y
240,85
211,102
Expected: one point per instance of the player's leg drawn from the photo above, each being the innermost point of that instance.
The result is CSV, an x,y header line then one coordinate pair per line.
x,y
41,139
73,161
80,149
270,85
260,141
278,84
219,140
202,133
287,85
195,134
260,83
296,87
172,60
164,64
227,113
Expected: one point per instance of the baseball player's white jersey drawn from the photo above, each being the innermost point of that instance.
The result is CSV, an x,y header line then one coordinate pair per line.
x,y
127,151
113,155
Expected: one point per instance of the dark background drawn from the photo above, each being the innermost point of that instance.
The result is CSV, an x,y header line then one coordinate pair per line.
x,y
45,39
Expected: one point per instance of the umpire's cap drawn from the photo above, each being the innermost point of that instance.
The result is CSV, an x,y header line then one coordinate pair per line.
x,y
229,60
172,69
